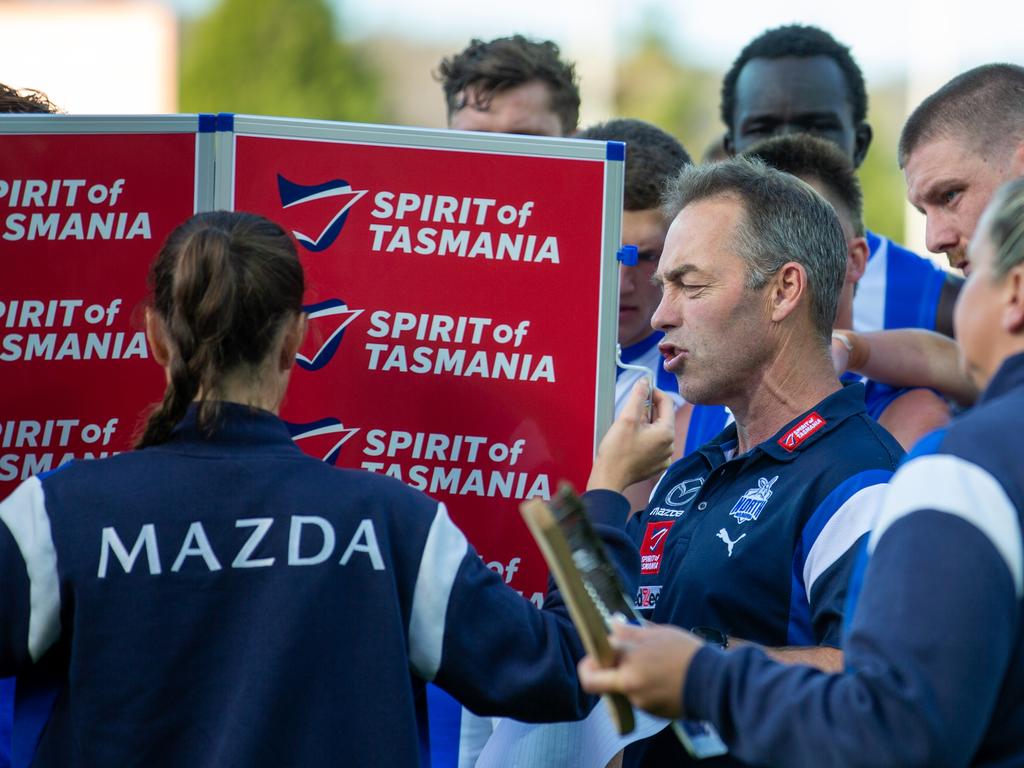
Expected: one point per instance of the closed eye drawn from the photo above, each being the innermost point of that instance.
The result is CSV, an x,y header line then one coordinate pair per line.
x,y
825,124
756,129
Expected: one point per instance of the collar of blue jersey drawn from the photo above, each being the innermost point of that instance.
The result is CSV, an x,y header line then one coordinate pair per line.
x,y
1009,376
237,426
834,409
633,351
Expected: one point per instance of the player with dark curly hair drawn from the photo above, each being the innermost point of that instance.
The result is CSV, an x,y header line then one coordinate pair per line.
x,y
511,85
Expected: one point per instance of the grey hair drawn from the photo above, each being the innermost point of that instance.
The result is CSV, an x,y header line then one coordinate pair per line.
x,y
1003,222
784,220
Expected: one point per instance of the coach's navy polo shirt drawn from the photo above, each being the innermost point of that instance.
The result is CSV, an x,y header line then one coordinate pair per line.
x,y
761,545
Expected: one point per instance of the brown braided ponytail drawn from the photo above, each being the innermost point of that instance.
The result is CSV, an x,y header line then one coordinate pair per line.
x,y
223,284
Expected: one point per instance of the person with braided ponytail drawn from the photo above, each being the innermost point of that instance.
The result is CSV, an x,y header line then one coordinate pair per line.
x,y
226,290
218,598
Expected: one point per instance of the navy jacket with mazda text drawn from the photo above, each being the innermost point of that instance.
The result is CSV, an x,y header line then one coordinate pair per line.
x,y
233,602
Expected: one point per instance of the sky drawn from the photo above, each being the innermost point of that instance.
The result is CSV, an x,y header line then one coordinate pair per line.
x,y
884,34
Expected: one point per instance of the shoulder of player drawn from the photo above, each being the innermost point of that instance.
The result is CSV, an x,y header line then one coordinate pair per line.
x,y
989,428
961,473
985,438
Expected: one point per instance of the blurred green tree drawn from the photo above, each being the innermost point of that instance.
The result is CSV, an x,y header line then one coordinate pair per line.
x,y
654,85
880,174
276,57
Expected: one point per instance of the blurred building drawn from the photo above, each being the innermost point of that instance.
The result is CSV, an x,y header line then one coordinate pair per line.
x,y
95,57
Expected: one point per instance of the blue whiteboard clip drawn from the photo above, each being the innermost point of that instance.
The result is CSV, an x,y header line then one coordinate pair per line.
x,y
628,255
616,150
207,123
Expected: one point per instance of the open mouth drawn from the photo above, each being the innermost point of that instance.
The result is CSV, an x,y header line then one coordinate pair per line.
x,y
674,356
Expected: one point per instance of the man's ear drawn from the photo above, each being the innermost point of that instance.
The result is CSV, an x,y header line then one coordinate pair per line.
x,y
1013,300
1017,161
294,335
156,337
862,140
787,289
857,252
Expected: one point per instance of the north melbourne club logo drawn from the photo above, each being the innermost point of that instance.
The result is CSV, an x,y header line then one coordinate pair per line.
x,y
329,318
293,194
332,435
750,504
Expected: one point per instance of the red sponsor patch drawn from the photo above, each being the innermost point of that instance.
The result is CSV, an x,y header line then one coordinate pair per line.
x,y
792,439
653,546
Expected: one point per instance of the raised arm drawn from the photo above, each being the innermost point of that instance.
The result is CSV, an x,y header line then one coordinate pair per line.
x,y
905,357
488,646
635,448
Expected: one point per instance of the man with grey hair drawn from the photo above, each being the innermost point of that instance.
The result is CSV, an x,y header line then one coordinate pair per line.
x,y
907,413
934,651
753,535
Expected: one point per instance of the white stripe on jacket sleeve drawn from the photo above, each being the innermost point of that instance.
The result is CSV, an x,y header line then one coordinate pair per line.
x,y
443,552
949,484
24,514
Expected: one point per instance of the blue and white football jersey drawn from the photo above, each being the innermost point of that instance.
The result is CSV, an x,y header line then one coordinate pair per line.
x,y
899,289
